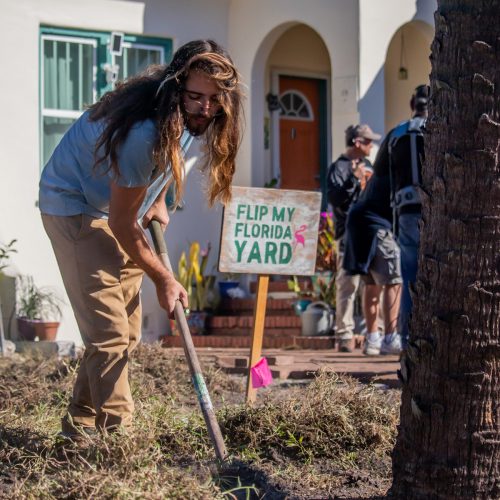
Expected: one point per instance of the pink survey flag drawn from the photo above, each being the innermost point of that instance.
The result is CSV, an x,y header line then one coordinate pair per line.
x,y
261,374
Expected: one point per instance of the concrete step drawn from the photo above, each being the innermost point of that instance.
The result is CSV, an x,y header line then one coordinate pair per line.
x,y
382,368
306,371
379,370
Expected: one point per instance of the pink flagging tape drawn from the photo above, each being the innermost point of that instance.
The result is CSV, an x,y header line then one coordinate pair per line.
x,y
261,374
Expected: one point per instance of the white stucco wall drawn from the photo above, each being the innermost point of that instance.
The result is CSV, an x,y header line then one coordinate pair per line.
x,y
19,120
378,21
255,26
416,51
301,49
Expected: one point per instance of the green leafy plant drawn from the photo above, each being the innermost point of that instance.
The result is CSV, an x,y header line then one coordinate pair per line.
x,y
191,275
5,253
324,287
229,277
295,286
326,260
36,303
327,252
272,183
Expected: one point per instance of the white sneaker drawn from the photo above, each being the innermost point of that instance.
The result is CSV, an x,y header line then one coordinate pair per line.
x,y
393,346
372,347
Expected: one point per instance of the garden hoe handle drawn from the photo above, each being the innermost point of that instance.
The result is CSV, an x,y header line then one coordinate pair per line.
x,y
192,359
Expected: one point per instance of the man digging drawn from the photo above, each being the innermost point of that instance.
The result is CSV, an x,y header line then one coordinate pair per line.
x,y
109,175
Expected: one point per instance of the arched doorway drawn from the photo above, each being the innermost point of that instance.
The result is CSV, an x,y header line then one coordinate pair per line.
x,y
406,66
298,74
299,136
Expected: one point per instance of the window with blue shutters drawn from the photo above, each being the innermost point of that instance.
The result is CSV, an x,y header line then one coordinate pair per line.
x,y
77,68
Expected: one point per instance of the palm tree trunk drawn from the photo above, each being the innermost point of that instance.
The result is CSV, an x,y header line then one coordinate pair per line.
x,y
449,438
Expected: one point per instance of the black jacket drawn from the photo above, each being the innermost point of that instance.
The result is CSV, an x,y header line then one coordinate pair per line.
x,y
369,214
343,190
395,160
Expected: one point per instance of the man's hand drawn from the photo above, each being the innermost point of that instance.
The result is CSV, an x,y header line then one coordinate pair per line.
x,y
169,291
159,212
124,205
358,169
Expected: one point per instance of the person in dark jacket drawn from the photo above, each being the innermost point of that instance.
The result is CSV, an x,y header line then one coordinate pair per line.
x,y
347,177
401,157
372,252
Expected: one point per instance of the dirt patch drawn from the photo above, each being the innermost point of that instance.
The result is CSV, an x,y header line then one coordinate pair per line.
x,y
327,438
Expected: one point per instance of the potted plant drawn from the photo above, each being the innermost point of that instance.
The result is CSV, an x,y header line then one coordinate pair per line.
x,y
38,311
304,295
324,287
5,251
191,274
230,281
326,254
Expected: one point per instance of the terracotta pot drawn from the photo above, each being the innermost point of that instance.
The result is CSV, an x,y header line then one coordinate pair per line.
x,y
29,329
46,330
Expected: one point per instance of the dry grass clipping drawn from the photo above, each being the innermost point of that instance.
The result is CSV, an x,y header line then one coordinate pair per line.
x,y
334,418
332,425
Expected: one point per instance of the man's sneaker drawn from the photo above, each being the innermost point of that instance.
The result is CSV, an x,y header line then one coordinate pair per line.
x,y
372,347
391,344
345,345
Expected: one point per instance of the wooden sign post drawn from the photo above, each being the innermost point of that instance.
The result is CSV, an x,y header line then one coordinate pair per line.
x,y
268,231
259,318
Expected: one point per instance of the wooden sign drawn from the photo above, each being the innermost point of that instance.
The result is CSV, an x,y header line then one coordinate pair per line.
x,y
270,231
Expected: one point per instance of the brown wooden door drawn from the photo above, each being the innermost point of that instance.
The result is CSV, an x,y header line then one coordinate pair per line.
x,y
299,133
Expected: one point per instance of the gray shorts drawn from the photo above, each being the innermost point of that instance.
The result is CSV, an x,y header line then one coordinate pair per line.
x,y
385,267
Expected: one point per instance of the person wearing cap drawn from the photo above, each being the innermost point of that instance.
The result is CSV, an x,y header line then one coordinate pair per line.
x,y
400,157
346,179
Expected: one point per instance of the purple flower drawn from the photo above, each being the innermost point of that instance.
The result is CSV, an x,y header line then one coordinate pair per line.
x,y
205,251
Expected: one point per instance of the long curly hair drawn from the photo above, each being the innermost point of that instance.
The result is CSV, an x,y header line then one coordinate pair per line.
x,y
157,94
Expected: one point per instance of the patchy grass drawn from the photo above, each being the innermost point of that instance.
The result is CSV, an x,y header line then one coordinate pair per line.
x,y
331,437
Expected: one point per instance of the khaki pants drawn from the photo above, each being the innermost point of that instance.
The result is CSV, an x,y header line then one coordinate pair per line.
x,y
346,287
103,286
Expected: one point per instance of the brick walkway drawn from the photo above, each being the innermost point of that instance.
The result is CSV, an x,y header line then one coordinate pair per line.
x,y
302,364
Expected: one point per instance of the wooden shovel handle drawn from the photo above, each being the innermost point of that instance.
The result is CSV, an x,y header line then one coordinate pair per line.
x,y
190,352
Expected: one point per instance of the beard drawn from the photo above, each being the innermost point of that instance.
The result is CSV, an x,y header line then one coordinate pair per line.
x,y
197,124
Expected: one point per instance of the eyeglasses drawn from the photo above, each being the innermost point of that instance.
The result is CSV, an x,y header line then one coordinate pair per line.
x,y
196,102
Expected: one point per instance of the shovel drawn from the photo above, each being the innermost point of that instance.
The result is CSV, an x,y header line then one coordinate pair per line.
x,y
192,359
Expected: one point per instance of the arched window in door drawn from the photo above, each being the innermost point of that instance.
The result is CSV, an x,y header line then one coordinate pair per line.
x,y
295,106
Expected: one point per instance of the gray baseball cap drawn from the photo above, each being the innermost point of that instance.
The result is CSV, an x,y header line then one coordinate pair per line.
x,y
362,131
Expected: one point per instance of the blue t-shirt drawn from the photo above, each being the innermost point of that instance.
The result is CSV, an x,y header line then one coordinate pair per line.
x,y
70,184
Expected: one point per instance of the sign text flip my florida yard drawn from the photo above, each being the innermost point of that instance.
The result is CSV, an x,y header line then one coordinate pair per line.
x,y
270,231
